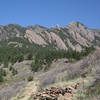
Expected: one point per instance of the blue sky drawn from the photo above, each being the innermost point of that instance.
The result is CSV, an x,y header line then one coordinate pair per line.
x,y
50,12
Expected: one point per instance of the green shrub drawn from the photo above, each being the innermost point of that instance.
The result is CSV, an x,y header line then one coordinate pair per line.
x,y
30,78
11,68
1,78
30,56
6,64
3,72
20,58
14,71
36,67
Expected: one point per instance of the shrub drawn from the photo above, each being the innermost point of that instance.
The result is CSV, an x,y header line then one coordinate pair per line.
x,y
30,78
10,68
14,71
20,58
1,78
36,67
3,72
30,56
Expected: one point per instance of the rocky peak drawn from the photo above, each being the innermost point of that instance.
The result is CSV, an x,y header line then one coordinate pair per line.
x,y
81,30
77,25
37,28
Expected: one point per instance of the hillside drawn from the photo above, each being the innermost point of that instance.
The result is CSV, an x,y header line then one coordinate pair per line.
x,y
36,58
81,78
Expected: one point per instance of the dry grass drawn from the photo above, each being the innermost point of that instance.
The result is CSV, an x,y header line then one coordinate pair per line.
x,y
29,89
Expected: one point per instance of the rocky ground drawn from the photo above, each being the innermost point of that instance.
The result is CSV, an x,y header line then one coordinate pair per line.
x,y
55,93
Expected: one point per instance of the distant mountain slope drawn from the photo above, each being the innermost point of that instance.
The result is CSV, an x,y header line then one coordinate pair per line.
x,y
75,36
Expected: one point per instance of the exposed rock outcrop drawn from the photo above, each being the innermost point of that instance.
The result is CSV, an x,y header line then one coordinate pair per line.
x,y
33,37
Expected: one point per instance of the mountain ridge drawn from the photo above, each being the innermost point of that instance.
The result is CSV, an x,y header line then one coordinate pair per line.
x,y
75,35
